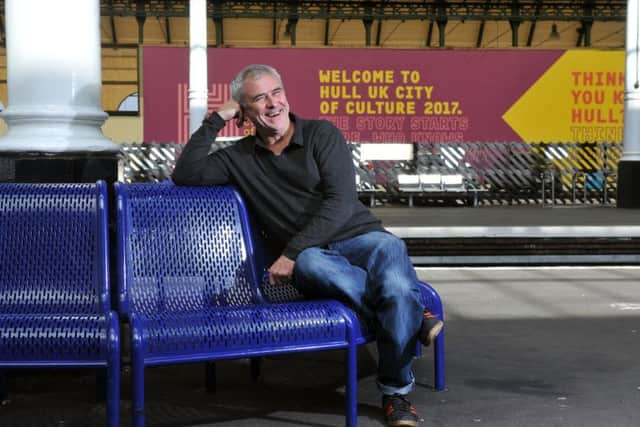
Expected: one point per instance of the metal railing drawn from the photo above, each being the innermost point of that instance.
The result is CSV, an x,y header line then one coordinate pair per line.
x,y
500,173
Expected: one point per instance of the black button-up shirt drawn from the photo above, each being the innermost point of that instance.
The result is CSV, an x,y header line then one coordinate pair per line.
x,y
303,197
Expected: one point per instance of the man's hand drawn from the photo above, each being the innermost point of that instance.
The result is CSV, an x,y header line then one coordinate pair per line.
x,y
231,110
281,271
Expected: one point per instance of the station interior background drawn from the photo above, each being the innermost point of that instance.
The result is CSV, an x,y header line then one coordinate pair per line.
x,y
128,25
535,361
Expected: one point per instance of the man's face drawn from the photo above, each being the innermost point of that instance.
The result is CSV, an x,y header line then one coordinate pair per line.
x,y
265,104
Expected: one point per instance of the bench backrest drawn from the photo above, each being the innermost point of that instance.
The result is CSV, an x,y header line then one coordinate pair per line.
x,y
431,181
406,180
53,248
183,248
452,181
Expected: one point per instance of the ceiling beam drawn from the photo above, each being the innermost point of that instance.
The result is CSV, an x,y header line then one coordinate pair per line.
x,y
427,42
3,34
140,18
112,25
167,25
292,21
480,34
487,6
468,10
114,34
379,29
587,23
368,22
514,22
327,27
534,22
218,23
441,19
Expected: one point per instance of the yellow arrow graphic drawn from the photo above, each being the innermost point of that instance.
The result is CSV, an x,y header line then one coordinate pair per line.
x,y
580,98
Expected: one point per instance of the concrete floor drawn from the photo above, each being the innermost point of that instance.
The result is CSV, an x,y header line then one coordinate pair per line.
x,y
525,347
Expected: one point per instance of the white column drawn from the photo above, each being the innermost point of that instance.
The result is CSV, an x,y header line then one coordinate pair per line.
x,y
632,85
54,77
197,63
629,164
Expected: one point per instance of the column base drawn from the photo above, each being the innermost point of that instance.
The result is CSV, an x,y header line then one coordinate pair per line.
x,y
629,184
59,167
58,129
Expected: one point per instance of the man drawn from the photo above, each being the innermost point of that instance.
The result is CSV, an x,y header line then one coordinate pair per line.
x,y
298,178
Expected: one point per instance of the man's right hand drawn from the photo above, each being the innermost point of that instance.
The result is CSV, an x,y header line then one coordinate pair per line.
x,y
281,271
231,110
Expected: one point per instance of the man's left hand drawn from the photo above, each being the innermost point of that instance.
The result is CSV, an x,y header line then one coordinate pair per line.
x,y
281,271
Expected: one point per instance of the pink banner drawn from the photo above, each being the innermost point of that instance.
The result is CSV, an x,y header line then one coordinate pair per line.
x,y
372,95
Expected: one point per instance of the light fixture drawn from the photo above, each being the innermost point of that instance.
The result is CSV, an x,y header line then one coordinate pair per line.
x,y
555,35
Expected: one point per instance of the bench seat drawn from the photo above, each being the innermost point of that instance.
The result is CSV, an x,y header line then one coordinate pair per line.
x,y
55,339
54,283
238,332
193,284
436,185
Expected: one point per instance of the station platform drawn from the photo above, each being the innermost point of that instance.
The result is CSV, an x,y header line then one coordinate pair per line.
x,y
499,235
525,346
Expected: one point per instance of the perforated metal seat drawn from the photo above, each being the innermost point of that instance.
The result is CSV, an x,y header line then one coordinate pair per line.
x,y
54,281
192,283
230,332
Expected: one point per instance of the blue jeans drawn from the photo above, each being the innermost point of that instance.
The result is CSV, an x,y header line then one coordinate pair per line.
x,y
373,274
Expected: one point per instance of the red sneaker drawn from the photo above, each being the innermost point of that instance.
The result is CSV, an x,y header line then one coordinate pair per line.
x,y
398,411
430,329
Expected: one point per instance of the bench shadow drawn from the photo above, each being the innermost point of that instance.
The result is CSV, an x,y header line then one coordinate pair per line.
x,y
306,389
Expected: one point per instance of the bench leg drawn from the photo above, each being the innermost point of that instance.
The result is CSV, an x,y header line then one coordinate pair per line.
x,y
432,301
256,364
352,386
101,385
137,376
112,373
4,393
438,362
210,377
137,395
113,395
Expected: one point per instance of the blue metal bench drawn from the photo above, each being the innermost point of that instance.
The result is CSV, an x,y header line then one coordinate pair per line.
x,y
191,281
54,282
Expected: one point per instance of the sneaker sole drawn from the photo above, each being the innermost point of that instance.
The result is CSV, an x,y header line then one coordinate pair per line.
x,y
433,333
403,424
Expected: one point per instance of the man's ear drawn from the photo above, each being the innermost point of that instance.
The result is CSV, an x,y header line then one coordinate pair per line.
x,y
241,119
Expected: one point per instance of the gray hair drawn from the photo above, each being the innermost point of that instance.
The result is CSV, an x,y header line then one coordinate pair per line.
x,y
253,71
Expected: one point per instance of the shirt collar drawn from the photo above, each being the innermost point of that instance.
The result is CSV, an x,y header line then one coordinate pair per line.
x,y
297,137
